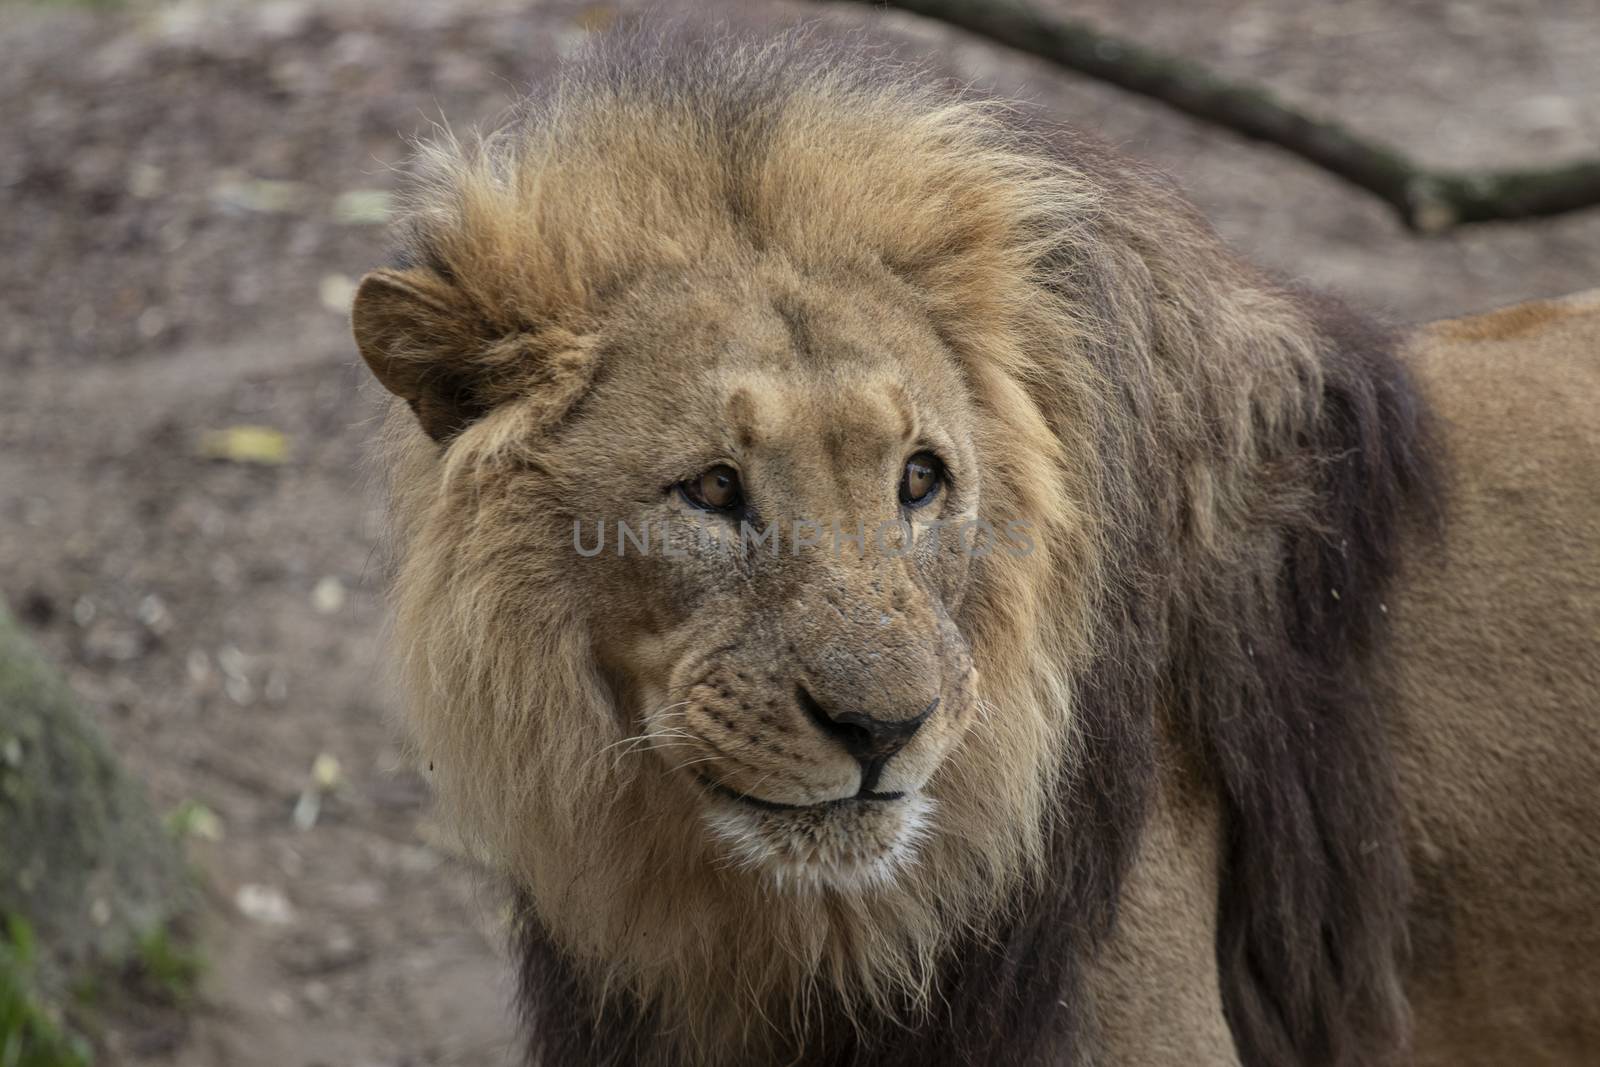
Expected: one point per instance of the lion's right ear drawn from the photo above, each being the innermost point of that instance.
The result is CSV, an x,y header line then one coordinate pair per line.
x,y
418,337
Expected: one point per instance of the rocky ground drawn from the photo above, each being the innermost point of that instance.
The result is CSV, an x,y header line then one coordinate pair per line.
x,y
187,193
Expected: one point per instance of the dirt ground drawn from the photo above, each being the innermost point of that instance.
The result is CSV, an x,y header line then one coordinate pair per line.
x,y
187,192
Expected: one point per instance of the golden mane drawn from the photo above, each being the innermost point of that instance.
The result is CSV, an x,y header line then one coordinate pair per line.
x,y
1175,426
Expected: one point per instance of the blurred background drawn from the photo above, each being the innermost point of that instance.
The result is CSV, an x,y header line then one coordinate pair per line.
x,y
188,517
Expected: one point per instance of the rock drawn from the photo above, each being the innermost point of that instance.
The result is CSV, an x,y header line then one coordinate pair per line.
x,y
323,954
328,595
337,292
264,904
154,614
112,641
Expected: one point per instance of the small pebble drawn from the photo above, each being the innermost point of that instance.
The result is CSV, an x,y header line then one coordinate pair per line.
x,y
264,904
328,595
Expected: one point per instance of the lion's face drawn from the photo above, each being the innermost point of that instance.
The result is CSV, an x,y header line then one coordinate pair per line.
x,y
791,466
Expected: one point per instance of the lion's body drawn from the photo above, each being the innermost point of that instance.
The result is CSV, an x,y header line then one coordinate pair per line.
x,y
1497,653
1495,721
1168,803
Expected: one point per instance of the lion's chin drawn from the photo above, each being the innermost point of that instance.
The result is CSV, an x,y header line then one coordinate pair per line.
x,y
852,845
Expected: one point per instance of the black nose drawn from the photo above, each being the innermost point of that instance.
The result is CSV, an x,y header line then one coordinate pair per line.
x,y
871,741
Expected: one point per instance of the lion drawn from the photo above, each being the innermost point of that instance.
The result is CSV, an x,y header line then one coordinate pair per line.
x,y
884,584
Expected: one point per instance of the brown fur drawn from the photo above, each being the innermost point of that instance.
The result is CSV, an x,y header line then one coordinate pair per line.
x,y
1498,730
681,256
1517,321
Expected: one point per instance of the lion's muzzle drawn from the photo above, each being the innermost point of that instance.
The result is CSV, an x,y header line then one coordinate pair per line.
x,y
871,740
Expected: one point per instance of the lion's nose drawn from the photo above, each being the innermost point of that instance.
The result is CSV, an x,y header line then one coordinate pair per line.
x,y
870,740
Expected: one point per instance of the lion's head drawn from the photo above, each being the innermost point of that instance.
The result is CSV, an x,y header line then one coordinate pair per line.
x,y
737,595
808,487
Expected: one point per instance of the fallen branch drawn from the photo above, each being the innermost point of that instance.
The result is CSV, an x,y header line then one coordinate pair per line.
x,y
1428,200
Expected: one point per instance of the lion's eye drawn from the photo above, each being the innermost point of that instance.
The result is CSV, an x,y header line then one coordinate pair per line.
x,y
920,481
715,490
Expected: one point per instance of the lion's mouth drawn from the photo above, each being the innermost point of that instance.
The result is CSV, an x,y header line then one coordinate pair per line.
x,y
865,796
850,843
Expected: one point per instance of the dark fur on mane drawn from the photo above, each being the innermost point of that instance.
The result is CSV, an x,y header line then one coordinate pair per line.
x,y
1266,664
1316,888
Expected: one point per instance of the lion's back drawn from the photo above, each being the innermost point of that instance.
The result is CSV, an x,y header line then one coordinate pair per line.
x,y
1497,649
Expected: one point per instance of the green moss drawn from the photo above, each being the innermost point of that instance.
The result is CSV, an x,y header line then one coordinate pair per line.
x,y
87,863
93,888
166,968
29,1035
193,819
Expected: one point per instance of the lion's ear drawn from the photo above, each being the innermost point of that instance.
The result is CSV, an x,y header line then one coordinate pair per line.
x,y
418,337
